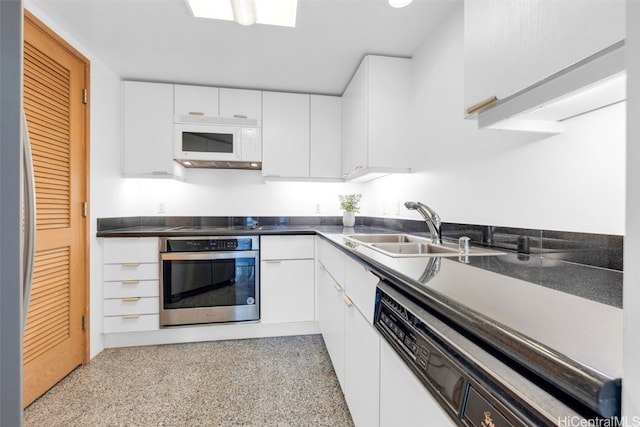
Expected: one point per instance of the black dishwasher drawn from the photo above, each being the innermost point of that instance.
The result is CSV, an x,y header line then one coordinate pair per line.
x,y
472,395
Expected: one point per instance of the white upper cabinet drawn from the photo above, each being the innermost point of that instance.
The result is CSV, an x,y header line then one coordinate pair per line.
x,y
196,100
375,118
325,136
148,130
241,104
513,44
285,135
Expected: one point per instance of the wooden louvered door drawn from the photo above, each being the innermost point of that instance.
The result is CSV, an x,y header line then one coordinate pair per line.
x,y
55,76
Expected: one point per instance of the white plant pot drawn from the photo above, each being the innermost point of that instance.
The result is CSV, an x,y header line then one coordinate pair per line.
x,y
348,219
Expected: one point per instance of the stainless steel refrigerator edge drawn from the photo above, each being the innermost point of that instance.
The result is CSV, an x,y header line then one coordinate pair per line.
x,y
11,301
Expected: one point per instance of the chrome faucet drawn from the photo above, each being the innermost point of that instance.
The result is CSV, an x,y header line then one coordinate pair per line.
x,y
429,215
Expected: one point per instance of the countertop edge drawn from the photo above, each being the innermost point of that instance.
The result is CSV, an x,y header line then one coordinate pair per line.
x,y
591,387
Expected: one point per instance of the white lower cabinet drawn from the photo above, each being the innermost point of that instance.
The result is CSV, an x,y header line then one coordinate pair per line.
x,y
131,285
331,315
287,279
351,340
361,368
404,401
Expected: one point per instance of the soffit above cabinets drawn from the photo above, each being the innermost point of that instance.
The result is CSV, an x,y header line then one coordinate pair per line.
x,y
160,40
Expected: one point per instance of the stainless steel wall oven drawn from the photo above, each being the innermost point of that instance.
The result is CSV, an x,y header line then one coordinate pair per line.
x,y
209,280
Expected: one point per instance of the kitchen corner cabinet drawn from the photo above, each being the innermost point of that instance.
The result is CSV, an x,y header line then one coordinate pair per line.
x,y
196,100
325,136
376,117
148,130
351,340
511,45
131,287
287,279
404,401
285,135
301,135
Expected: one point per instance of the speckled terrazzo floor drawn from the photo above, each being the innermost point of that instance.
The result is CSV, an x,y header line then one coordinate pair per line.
x,y
283,381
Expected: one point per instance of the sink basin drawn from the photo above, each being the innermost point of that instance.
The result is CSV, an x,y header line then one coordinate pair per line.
x,y
415,249
387,238
406,245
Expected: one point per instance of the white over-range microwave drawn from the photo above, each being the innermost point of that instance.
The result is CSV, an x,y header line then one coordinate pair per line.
x,y
214,142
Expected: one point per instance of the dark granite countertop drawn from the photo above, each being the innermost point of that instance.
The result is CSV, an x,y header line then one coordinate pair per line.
x,y
537,310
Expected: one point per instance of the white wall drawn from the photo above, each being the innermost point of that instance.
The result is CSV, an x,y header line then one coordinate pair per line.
x,y
574,181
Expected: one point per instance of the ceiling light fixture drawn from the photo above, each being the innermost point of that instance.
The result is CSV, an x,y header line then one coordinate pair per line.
x,y
244,11
399,3
247,12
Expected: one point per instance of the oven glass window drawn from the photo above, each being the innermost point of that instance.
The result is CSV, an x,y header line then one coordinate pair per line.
x,y
209,283
207,142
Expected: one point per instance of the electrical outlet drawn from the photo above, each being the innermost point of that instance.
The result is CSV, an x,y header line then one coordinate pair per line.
x,y
317,208
162,207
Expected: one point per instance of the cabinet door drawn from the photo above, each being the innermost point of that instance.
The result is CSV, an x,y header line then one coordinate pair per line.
x,y
241,103
197,100
148,129
354,120
333,260
360,285
285,134
510,45
287,293
389,95
325,136
362,368
331,316
404,401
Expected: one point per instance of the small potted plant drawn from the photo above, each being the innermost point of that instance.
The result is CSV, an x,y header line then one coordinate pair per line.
x,y
349,204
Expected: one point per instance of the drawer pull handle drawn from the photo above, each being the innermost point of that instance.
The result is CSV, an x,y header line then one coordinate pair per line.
x,y
131,316
130,282
337,287
239,116
273,261
196,113
347,301
131,299
482,104
131,264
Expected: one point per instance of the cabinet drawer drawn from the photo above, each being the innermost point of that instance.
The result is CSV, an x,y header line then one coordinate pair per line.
x,y
333,259
131,323
131,305
360,286
131,288
287,247
131,271
130,250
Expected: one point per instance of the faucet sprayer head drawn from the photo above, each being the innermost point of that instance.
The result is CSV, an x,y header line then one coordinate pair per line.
x,y
411,205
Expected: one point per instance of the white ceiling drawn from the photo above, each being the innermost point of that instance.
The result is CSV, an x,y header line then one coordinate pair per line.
x,y
159,40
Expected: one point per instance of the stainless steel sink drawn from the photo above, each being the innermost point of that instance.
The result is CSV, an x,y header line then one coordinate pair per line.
x,y
387,238
415,249
406,245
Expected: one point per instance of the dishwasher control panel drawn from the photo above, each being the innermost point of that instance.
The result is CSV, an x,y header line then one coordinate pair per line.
x,y
466,392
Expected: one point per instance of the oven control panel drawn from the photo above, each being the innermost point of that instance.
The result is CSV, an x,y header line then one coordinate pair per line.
x,y
210,244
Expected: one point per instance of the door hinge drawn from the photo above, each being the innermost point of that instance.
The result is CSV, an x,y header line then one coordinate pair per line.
x,y
84,322
84,96
85,209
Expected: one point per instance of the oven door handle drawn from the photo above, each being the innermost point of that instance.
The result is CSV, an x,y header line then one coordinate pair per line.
x,y
206,255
